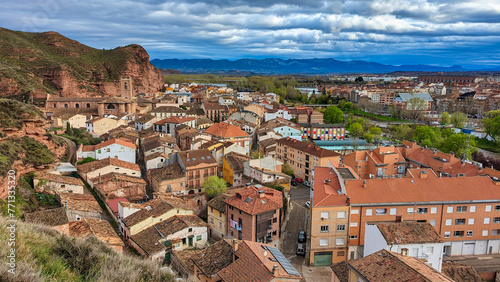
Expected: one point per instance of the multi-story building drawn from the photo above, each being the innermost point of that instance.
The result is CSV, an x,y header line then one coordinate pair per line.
x,y
463,216
255,214
304,157
320,131
117,148
197,165
217,217
227,132
406,101
215,112
168,125
382,162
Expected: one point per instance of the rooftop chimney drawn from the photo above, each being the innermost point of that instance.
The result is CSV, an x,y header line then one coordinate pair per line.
x,y
235,245
364,184
261,193
348,201
275,269
423,174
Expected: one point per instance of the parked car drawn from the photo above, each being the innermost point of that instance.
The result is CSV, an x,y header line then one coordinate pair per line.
x,y
308,204
300,250
298,179
302,236
307,184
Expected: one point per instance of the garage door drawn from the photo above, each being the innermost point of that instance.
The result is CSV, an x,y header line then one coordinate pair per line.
x,y
468,249
323,259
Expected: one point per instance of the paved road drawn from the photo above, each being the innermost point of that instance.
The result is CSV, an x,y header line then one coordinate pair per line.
x,y
72,150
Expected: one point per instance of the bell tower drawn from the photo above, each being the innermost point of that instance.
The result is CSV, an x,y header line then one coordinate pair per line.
x,y
126,88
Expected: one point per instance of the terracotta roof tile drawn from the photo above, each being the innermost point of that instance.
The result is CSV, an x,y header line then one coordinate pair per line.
x,y
51,217
101,229
155,207
88,167
80,202
391,267
408,233
119,141
115,176
225,130
195,157
461,273
175,119
341,270
248,200
307,147
218,202
171,171
215,258
59,178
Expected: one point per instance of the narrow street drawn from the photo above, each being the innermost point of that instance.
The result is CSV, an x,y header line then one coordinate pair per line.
x,y
72,150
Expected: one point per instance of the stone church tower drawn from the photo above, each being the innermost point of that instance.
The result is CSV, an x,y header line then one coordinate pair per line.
x,y
126,88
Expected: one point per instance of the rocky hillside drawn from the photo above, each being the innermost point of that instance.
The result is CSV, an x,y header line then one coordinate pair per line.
x,y
51,63
42,254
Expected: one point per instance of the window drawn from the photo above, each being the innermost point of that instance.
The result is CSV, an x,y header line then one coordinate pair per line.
x,y
409,210
486,220
369,212
340,227
339,241
220,225
432,222
421,210
353,224
460,221
190,230
485,232
198,238
497,208
472,208
380,211
354,211
323,242
275,220
471,221
184,241
341,253
458,234
449,210
66,106
462,209
496,220
88,105
340,214
448,222
488,208
353,237
324,215
469,233
495,232
392,211
447,234
324,228
429,250
434,210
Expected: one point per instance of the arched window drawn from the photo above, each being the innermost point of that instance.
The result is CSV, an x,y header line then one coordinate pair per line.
x,y
88,105
77,105
66,106
111,107
55,105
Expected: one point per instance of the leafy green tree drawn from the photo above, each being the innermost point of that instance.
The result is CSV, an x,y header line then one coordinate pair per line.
x,y
401,132
286,169
257,155
426,136
416,104
445,118
356,130
492,125
368,137
214,186
347,106
462,145
376,132
86,160
458,119
359,79
312,100
68,128
333,114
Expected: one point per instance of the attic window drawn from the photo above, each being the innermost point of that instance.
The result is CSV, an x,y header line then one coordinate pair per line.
x,y
208,157
194,159
188,160
248,200
202,158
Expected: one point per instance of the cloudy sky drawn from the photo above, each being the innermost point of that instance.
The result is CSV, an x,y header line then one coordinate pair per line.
x,y
440,32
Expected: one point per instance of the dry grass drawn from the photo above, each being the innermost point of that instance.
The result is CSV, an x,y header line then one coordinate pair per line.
x,y
42,254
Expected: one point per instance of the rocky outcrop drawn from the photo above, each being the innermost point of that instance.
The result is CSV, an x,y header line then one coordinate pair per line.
x,y
51,63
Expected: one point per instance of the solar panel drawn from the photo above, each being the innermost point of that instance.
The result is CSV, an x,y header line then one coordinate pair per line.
x,y
283,261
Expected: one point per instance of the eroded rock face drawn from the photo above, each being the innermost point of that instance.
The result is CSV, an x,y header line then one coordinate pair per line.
x,y
61,66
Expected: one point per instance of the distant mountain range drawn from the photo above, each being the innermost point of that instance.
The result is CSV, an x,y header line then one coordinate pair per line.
x,y
292,66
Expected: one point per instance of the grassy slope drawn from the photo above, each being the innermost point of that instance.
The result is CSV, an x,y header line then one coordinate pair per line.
x,y
44,255
23,55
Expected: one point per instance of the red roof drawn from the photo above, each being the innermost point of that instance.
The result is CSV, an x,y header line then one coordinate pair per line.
x,y
175,119
249,200
326,187
113,204
225,130
119,141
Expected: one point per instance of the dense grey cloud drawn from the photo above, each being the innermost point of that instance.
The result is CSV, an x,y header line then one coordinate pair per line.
x,y
444,32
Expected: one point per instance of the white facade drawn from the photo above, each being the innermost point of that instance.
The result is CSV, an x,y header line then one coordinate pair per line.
x,y
474,247
431,252
288,131
116,151
280,113
158,162
108,169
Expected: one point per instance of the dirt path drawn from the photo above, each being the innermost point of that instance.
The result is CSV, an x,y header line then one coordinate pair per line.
x,y
72,150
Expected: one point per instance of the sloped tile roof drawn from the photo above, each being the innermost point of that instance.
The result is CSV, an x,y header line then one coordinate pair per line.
x,y
156,207
51,217
225,130
215,258
115,176
248,200
119,141
80,202
101,229
392,267
87,167
408,233
218,202
307,147
59,178
195,157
